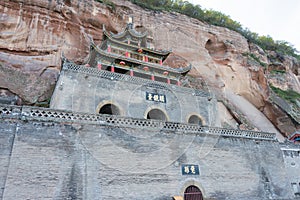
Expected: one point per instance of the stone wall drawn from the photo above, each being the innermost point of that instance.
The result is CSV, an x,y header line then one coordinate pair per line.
x,y
84,89
50,154
291,155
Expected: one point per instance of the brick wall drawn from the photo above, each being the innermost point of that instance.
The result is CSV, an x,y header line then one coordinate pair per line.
x,y
66,160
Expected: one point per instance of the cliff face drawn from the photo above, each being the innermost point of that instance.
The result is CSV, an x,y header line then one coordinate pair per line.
x,y
33,35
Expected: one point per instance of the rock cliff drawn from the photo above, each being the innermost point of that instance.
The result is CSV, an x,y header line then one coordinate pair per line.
x,y
35,33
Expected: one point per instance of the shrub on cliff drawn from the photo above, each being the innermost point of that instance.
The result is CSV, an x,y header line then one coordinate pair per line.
x,y
289,95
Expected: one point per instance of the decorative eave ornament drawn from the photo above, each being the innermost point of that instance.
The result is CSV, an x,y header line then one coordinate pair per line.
x,y
295,137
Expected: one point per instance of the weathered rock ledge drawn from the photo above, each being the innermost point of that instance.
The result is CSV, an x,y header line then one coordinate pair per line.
x,y
35,33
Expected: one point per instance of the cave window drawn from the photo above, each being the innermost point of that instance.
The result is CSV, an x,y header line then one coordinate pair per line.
x,y
67,2
194,119
156,114
209,42
193,193
109,109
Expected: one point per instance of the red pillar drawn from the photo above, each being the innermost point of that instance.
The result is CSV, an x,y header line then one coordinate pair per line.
x,y
146,58
152,78
160,62
108,48
99,66
178,83
131,72
112,68
168,81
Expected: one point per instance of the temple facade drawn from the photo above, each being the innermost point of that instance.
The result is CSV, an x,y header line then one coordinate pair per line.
x,y
123,125
122,76
127,53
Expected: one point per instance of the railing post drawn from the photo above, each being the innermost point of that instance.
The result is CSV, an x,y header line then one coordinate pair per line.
x,y
112,68
152,77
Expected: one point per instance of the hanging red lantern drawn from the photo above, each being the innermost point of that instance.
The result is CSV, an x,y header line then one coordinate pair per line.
x,y
166,73
140,50
122,63
146,68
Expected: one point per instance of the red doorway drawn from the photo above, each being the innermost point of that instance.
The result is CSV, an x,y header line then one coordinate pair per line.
x,y
193,193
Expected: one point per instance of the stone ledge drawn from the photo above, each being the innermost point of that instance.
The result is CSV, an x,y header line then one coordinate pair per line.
x,y
46,114
291,110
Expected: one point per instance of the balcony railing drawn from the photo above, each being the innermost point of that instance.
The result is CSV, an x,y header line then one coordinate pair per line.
x,y
132,79
26,113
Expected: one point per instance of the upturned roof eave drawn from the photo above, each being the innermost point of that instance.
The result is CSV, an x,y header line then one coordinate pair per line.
x,y
128,31
163,53
180,71
294,135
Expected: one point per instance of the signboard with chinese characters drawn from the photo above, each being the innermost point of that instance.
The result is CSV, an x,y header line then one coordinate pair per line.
x,y
156,97
190,170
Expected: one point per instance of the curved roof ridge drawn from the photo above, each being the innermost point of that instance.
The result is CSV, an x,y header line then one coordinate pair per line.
x,y
136,33
129,29
165,52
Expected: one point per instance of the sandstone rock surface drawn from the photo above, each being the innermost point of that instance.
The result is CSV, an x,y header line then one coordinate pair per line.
x,y
34,34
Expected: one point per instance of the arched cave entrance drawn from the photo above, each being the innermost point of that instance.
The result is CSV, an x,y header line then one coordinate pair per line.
x,y
194,119
193,193
156,114
216,49
109,109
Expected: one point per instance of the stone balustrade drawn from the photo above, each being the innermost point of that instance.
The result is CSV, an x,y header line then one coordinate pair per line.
x,y
47,115
132,79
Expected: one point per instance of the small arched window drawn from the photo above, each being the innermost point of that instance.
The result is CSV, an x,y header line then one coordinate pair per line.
x,y
193,193
156,114
109,109
194,119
